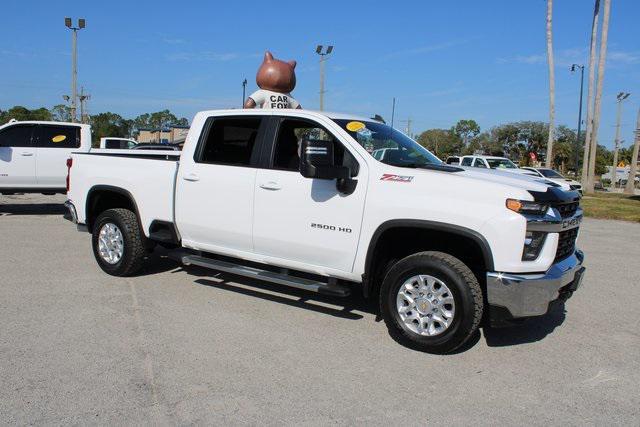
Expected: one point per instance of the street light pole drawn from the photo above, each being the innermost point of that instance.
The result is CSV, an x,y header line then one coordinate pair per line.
x,y
74,63
244,88
631,181
577,147
323,54
621,97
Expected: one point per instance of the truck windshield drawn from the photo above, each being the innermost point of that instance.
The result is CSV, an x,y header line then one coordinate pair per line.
x,y
387,145
501,164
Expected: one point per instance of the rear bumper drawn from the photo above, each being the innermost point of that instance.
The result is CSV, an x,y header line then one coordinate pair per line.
x,y
526,295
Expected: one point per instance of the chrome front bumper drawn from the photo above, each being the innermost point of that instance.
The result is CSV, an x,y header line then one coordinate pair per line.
x,y
525,295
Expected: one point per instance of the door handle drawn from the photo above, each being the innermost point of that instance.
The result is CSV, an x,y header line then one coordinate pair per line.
x,y
26,154
273,186
191,177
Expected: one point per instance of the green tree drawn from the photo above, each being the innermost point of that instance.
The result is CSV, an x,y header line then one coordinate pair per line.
x,y
109,124
61,113
466,129
157,119
441,142
22,113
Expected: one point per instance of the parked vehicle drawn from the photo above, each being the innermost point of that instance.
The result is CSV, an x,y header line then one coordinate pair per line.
x,y
555,176
296,198
33,155
493,162
117,143
453,160
161,147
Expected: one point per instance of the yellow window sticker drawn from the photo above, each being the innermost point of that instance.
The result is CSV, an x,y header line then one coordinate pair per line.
x,y
58,138
355,126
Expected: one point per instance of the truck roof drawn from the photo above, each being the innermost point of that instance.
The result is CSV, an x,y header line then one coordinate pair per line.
x,y
254,111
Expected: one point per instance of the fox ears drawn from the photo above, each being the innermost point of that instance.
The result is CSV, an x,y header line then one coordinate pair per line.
x,y
269,57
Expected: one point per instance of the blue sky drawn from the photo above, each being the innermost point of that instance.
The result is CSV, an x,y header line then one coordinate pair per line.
x,y
443,61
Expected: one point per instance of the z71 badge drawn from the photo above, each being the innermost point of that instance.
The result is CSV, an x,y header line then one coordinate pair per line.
x,y
397,178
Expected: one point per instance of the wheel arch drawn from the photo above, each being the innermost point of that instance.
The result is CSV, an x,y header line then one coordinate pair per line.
x,y
418,229
103,197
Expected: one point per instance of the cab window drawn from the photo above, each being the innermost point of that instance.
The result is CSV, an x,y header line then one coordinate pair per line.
x,y
466,161
291,133
16,136
479,163
229,141
51,136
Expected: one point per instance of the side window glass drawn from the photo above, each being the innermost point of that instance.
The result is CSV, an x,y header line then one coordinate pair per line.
x,y
466,161
58,136
16,136
480,164
290,135
230,141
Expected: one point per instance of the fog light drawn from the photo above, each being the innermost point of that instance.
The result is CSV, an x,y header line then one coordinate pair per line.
x,y
533,242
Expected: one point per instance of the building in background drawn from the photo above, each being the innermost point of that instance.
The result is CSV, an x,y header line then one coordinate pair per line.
x,y
170,134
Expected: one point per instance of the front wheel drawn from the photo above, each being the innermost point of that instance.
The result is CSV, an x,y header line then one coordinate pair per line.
x,y
431,301
118,243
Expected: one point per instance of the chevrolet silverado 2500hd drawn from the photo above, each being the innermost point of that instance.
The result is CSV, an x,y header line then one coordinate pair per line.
x,y
296,197
33,155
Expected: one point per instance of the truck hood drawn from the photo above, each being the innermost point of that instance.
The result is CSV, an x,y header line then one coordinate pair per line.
x,y
518,180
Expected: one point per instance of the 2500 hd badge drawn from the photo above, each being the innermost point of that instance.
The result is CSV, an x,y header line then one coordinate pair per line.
x,y
330,227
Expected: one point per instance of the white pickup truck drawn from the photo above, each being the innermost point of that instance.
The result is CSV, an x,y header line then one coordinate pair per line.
x,y
33,155
295,197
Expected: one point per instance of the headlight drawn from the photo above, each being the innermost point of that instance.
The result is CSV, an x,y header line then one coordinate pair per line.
x,y
533,242
526,207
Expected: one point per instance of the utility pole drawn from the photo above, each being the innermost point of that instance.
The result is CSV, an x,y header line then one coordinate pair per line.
x,y
84,117
633,169
393,111
74,63
621,97
244,88
323,57
577,145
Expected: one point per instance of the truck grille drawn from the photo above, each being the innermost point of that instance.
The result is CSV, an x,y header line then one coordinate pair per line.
x,y
567,209
566,243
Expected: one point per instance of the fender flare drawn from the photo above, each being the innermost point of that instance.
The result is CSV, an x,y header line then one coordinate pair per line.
x,y
478,238
113,189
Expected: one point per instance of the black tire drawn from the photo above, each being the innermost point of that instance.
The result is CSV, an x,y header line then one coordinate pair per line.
x,y
133,253
461,282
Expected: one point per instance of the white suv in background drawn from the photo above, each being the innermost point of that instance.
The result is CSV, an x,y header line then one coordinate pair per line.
x,y
33,155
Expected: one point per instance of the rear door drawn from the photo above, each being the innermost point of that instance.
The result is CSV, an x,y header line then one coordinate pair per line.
x,y
54,145
214,194
17,156
307,221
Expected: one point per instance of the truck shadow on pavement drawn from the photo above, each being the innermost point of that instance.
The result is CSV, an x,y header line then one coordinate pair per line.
x,y
353,307
529,331
31,209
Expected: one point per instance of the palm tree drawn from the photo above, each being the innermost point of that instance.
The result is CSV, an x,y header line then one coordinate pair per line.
x,y
552,86
592,78
598,100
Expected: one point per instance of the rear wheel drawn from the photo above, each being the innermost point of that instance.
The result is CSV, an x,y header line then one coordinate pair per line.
x,y
431,301
118,242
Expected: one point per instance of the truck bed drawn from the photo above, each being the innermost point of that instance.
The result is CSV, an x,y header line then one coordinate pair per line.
x,y
148,176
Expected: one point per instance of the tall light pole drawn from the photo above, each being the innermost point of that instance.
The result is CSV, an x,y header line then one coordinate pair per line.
x,y
621,97
577,147
244,88
74,62
320,50
631,181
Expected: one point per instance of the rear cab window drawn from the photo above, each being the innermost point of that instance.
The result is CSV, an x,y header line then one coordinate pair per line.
x,y
230,140
466,161
55,136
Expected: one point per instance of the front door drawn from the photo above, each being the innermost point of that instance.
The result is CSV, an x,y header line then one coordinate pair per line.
x,y
306,220
17,157
214,203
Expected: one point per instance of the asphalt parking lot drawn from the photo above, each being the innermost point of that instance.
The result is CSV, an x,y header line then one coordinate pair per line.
x,y
176,346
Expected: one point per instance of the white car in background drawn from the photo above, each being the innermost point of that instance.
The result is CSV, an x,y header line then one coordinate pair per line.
x,y
493,162
555,176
